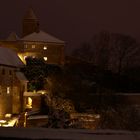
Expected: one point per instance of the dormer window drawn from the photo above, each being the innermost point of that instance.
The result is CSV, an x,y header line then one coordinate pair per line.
x,y
45,47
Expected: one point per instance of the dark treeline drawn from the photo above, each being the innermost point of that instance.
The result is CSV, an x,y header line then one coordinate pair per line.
x,y
118,58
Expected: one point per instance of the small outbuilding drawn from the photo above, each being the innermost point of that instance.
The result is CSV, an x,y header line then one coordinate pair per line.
x,y
13,83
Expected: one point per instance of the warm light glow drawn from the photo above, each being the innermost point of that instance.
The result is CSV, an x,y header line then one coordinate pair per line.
x,y
8,90
10,123
25,57
29,102
8,115
45,48
2,121
45,58
21,57
26,112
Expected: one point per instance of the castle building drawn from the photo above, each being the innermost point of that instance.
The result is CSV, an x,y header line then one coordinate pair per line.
x,y
13,83
35,43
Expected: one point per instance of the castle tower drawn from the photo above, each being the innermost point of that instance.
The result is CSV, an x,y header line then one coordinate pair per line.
x,y
30,23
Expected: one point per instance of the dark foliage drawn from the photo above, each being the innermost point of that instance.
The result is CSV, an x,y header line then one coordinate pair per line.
x,y
121,118
37,71
58,119
44,108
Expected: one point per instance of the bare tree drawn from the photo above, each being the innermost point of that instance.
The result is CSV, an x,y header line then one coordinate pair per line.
x,y
124,49
100,46
112,51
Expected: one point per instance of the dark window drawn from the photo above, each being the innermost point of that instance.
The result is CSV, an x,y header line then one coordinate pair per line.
x,y
10,72
3,71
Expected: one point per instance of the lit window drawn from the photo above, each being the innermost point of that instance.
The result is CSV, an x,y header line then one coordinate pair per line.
x,y
25,57
33,46
29,102
8,90
45,58
45,48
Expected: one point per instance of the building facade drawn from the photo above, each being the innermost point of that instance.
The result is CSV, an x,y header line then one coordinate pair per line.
x,y
35,43
13,83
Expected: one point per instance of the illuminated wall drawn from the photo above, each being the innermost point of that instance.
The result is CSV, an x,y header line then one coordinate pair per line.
x,y
53,53
11,92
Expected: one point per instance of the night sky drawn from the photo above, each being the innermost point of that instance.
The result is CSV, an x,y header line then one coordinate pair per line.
x,y
74,21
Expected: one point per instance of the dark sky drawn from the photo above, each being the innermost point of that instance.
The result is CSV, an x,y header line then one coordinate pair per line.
x,y
74,21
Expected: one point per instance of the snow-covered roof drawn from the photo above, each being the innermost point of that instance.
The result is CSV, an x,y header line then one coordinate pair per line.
x,y
41,36
9,57
12,37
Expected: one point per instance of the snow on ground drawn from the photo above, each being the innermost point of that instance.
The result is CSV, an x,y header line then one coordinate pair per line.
x,y
68,134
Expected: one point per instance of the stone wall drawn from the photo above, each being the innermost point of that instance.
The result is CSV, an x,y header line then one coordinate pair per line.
x,y
10,91
53,51
5,105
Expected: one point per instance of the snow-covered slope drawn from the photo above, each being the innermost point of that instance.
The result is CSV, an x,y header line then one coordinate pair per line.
x,y
67,134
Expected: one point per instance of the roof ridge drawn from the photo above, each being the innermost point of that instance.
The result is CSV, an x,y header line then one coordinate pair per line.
x,y
41,36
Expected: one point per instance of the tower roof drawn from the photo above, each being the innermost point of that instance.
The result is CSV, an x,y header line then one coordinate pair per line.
x,y
30,14
42,37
